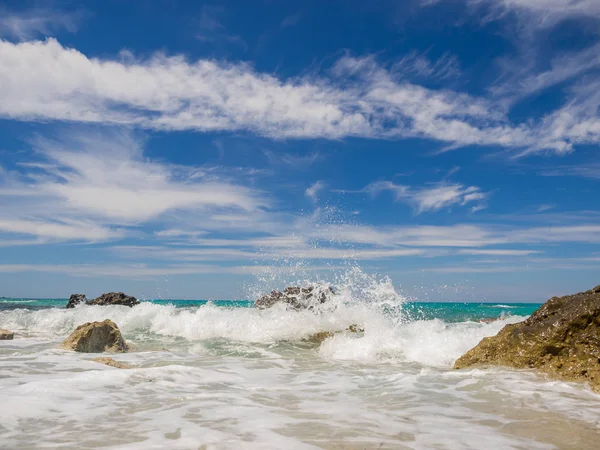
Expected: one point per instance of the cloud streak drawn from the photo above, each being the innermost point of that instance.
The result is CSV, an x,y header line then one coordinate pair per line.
x,y
358,98
99,186
432,198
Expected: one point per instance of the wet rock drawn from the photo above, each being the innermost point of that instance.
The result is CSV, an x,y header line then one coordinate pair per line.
x,y
76,299
96,337
297,297
6,335
355,328
561,339
112,363
319,337
115,298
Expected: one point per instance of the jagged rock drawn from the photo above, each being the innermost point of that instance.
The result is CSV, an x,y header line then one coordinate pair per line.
x,y
562,339
296,297
112,363
96,337
76,299
319,336
115,298
6,335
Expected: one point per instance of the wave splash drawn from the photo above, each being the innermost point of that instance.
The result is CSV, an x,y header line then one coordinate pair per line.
x,y
363,300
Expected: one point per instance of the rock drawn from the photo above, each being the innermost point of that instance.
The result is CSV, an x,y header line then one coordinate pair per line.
x,y
112,363
355,329
96,337
320,336
297,297
115,298
561,339
6,335
76,299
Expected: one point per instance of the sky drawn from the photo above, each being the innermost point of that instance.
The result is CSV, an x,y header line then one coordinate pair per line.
x,y
191,150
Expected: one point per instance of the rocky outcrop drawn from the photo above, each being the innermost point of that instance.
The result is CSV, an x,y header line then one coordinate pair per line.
x,y
76,299
111,298
96,337
6,335
562,339
297,297
112,363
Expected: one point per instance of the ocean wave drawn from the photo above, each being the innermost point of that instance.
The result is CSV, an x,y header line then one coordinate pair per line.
x,y
386,336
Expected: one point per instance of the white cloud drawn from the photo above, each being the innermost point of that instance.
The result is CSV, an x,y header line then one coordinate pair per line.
x,y
446,66
549,11
360,99
459,235
542,13
254,254
59,230
498,252
432,198
87,185
144,271
31,23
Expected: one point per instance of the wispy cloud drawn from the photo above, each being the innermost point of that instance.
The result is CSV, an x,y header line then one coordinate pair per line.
x,y
88,186
293,160
546,207
212,30
542,13
360,98
419,65
292,20
431,198
590,170
31,23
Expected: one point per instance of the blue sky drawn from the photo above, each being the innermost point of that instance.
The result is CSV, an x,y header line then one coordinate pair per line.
x,y
187,150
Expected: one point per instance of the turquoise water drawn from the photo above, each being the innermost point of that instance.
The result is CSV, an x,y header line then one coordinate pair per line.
x,y
448,312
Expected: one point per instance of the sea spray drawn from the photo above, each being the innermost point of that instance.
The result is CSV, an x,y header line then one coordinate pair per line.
x,y
372,303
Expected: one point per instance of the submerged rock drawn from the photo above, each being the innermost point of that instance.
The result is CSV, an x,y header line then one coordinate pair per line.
x,y
96,337
562,339
76,299
112,363
115,298
6,335
297,297
320,336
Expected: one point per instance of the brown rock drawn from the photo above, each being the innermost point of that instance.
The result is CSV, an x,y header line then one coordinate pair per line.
x,y
111,362
296,297
96,337
6,335
319,336
562,339
115,298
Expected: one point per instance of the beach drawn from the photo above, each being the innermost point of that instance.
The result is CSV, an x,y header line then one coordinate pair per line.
x,y
225,375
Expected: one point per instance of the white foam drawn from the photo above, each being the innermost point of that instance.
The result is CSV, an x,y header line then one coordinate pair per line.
x,y
388,335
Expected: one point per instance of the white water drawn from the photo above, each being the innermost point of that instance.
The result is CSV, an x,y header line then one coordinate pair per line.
x,y
245,379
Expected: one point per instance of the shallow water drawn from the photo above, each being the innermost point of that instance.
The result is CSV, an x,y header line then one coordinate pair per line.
x,y
219,377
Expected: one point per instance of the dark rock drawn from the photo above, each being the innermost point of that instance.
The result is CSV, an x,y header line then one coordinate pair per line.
x,y
115,298
297,297
76,299
6,335
561,338
96,337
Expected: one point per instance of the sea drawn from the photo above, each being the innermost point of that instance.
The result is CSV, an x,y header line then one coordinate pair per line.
x,y
222,374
